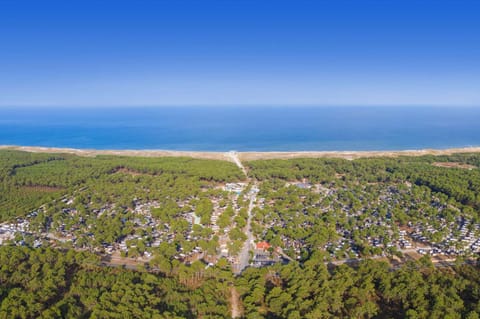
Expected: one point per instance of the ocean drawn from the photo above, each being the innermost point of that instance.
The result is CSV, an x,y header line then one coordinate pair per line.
x,y
248,128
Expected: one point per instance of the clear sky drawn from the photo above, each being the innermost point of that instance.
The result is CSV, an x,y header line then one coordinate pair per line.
x,y
225,52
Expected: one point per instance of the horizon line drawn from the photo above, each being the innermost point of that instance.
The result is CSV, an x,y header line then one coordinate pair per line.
x,y
320,105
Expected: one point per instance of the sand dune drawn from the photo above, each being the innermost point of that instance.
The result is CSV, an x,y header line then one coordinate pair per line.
x,y
244,156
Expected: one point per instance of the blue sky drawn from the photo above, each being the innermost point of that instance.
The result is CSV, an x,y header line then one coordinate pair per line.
x,y
272,52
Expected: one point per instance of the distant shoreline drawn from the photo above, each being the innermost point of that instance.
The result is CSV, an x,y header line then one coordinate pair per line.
x,y
244,156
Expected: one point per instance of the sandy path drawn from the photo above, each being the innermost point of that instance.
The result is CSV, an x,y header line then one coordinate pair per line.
x,y
234,157
235,302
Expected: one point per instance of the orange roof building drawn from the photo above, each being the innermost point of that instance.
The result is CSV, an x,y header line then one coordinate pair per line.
x,y
263,245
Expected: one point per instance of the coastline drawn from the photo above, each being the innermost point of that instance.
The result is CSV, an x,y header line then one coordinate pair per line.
x,y
243,156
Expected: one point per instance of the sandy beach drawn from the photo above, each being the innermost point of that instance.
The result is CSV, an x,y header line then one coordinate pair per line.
x,y
243,156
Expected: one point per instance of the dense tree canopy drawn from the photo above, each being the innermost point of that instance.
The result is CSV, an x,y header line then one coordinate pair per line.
x,y
166,207
46,283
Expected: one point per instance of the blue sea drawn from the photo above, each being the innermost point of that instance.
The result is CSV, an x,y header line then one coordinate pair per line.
x,y
245,128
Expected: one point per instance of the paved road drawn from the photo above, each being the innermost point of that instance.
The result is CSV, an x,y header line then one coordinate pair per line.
x,y
244,256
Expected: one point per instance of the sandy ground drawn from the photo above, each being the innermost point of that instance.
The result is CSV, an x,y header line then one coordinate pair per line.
x,y
453,165
350,155
243,156
140,153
